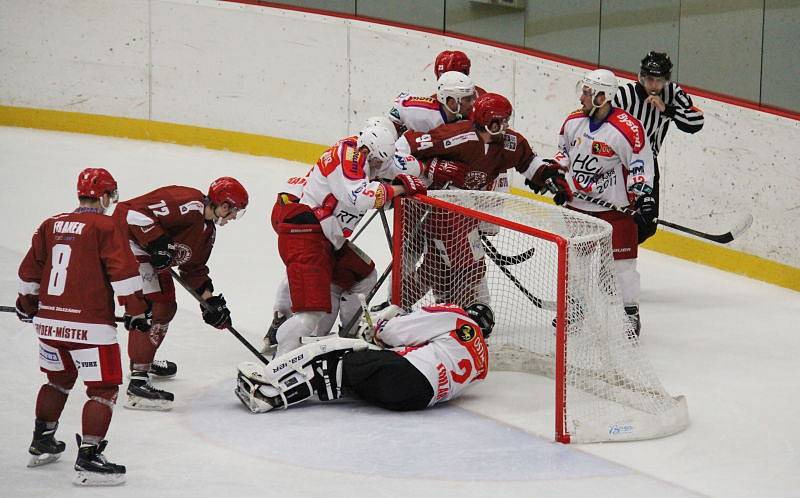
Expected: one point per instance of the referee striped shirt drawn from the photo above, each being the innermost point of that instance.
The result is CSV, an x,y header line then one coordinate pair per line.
x,y
687,118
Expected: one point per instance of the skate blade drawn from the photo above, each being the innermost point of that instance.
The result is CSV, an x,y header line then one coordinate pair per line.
x,y
43,459
156,376
137,403
85,478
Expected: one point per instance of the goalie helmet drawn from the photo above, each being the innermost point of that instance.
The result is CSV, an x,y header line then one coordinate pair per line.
x,y
456,85
657,65
94,182
228,190
385,122
451,60
491,107
380,142
599,81
483,315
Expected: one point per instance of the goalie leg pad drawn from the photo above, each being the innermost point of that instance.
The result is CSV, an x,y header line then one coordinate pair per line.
x,y
290,378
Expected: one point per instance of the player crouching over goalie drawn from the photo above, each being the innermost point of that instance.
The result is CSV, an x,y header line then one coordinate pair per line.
x,y
431,356
313,217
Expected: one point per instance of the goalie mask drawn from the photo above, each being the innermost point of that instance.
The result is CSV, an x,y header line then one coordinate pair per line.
x,y
483,315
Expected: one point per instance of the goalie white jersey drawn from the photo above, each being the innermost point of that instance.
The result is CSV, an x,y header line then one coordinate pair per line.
x,y
604,160
443,343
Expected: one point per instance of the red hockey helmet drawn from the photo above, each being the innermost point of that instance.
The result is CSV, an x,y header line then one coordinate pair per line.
x,y
94,182
228,189
451,60
489,108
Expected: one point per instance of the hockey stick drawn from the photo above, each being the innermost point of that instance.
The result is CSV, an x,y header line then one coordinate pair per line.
x,y
724,238
12,309
345,331
386,230
205,306
364,226
502,259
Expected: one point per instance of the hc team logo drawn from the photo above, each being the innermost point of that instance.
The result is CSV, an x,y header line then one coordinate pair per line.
x,y
475,180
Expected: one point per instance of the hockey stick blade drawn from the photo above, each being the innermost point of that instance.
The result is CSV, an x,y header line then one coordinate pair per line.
x,y
502,259
724,238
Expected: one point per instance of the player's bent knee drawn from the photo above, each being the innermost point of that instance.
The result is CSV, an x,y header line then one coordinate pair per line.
x,y
62,381
103,394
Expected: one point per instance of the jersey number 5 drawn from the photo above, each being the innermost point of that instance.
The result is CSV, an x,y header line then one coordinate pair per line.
x,y
58,272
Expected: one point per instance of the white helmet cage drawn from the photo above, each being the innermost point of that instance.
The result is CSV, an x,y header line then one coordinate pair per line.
x,y
456,85
380,143
599,81
383,121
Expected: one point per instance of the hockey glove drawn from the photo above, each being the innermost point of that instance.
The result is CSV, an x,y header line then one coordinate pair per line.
x,y
161,251
441,171
141,322
559,187
217,313
551,171
412,184
26,307
646,213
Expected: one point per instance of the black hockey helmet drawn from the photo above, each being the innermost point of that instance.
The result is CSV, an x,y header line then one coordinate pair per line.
x,y
656,64
483,316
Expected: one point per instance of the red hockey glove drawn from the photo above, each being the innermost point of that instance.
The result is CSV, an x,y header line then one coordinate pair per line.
x,y
441,171
412,184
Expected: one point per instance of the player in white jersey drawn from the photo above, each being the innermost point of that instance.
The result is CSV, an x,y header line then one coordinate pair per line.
x,y
294,187
455,95
432,356
604,153
313,217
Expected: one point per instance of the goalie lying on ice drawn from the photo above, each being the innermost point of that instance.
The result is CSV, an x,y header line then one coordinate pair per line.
x,y
431,356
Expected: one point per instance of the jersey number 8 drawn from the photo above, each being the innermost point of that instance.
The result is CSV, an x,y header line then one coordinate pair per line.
x,y
58,272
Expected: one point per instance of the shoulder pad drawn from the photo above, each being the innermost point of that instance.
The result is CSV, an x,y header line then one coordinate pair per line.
x,y
352,162
576,114
629,127
424,102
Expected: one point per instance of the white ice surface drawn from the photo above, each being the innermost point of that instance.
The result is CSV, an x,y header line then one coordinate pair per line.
x,y
728,343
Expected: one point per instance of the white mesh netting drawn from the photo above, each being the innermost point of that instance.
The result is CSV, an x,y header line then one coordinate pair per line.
x,y
611,392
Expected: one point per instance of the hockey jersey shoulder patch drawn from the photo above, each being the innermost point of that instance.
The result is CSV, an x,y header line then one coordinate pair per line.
x,y
424,102
353,163
629,127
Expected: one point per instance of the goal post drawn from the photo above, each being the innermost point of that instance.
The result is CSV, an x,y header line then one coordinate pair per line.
x,y
547,272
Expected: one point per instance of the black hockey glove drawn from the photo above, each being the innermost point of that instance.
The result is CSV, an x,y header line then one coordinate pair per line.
x,y
161,251
141,322
645,213
26,307
217,313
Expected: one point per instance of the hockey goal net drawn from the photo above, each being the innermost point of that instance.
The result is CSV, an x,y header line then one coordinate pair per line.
x,y
547,273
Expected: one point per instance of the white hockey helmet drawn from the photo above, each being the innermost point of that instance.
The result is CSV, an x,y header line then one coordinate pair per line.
x,y
599,81
380,143
385,122
456,85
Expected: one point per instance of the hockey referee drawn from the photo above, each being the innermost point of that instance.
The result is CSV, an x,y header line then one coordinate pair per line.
x,y
656,101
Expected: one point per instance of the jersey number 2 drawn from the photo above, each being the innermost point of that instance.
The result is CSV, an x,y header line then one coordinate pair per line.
x,y
58,272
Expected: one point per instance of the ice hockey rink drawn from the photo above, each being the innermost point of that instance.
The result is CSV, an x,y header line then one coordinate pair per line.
x,y
730,344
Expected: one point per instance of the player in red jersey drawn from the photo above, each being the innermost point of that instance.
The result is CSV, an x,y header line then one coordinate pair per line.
x,y
476,152
454,60
174,226
76,263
